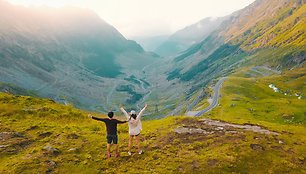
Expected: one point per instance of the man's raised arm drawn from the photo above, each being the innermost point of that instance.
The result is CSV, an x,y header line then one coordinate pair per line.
x,y
121,122
96,118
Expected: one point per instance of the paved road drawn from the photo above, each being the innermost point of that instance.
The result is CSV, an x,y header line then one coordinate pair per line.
x,y
268,72
214,102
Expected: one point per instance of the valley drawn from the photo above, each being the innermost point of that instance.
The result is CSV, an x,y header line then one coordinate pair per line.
x,y
224,95
106,70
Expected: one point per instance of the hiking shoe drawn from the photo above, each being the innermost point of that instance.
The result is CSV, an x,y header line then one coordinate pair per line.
x,y
108,155
140,152
117,155
129,153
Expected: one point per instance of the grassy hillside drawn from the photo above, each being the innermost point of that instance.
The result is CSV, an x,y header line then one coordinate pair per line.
x,y
246,98
287,28
40,136
273,32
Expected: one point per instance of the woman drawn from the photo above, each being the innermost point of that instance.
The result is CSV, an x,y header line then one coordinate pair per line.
x,y
135,127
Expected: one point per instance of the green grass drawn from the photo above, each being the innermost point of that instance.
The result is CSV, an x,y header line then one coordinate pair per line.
x,y
42,122
250,99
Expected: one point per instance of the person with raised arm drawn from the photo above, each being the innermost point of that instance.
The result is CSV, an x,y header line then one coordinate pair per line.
x,y
135,127
111,129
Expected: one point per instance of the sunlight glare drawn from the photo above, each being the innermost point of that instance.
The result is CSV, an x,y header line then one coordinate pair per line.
x,y
53,3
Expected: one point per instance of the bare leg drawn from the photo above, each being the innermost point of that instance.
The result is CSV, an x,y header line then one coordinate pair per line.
x,y
116,150
108,150
138,143
130,143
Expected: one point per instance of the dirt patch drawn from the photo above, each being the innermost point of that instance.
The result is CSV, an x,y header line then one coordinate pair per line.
x,y
73,136
13,142
32,128
183,130
193,126
8,135
212,162
45,134
191,130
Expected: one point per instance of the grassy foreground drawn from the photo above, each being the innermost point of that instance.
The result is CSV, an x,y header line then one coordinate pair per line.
x,y
40,136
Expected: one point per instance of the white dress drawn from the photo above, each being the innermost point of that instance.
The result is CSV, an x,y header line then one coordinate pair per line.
x,y
135,125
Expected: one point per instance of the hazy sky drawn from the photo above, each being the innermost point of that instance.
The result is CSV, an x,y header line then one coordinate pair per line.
x,y
149,17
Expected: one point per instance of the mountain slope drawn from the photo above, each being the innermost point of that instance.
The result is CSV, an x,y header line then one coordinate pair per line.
x,y
242,36
65,53
254,36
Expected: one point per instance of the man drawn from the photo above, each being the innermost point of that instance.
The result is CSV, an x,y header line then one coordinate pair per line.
x,y
135,127
111,129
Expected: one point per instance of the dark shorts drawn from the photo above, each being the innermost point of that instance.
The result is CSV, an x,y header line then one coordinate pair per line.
x,y
112,139
135,135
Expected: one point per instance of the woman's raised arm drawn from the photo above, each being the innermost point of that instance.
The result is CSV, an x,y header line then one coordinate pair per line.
x,y
141,112
124,112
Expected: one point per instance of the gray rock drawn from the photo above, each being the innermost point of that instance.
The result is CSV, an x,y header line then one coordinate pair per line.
x,y
257,147
51,150
51,163
4,146
219,128
72,149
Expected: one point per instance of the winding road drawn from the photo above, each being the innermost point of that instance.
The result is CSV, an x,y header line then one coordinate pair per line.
x,y
214,102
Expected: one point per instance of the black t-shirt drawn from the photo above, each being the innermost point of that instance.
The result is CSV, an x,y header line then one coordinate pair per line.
x,y
111,124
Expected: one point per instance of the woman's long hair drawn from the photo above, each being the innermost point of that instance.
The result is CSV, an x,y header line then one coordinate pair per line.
x,y
133,116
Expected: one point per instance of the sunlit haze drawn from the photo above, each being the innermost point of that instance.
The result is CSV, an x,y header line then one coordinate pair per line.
x,y
134,18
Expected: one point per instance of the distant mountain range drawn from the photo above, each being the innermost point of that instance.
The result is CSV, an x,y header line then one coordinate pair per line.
x,y
186,37
152,42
